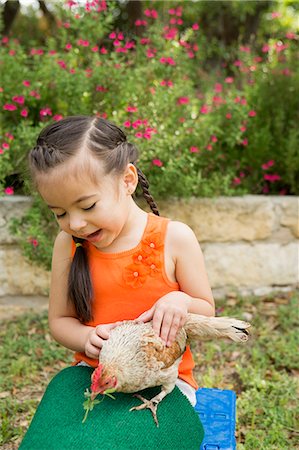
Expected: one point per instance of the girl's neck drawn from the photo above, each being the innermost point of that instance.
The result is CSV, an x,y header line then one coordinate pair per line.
x,y
132,231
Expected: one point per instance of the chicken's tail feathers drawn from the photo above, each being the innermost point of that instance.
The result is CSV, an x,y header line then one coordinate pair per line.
x,y
205,328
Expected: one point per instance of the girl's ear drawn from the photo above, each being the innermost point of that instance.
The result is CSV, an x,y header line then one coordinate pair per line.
x,y
130,178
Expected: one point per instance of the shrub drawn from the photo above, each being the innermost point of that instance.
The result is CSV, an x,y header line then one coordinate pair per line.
x,y
227,132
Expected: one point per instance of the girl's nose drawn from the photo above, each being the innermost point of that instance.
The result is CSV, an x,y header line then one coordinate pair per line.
x,y
77,223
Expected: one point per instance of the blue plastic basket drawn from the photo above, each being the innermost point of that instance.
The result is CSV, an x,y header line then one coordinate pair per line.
x,y
217,411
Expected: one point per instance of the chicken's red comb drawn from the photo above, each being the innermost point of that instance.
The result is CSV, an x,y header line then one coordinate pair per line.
x,y
95,377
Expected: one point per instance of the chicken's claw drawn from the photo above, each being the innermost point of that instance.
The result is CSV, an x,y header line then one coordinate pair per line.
x,y
149,404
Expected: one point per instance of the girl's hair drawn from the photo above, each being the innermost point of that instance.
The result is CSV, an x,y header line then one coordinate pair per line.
x,y
60,141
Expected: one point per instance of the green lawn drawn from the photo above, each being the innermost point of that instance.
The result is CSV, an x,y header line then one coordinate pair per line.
x,y
263,372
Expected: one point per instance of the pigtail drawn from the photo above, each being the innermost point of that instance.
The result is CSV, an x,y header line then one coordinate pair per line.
x,y
143,182
80,290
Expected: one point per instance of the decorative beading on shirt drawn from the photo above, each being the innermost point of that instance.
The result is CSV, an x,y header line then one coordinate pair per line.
x,y
146,261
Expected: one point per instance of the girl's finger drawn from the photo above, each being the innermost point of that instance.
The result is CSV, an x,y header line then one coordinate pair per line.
x,y
176,322
92,351
166,325
157,322
146,316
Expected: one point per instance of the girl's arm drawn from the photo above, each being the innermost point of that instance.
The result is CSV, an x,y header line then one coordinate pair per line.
x,y
64,325
169,313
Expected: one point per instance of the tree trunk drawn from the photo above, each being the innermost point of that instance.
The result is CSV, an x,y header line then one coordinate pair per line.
x,y
9,14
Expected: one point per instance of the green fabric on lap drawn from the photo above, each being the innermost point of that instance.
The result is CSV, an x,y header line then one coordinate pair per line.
x,y
57,423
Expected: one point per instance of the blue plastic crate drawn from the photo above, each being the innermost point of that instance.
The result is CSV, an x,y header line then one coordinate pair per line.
x,y
217,411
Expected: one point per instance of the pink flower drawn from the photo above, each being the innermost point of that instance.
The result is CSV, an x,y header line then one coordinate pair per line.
x,y
151,13
83,43
45,112
228,115
9,190
268,164
127,124
34,242
275,14
157,162
245,49
265,48
68,46
9,107
150,53
9,136
132,109
137,123
34,94
229,80
243,128
166,60
218,88
57,117
194,149
62,64
209,147
238,63
272,178
5,145
204,109
95,49
290,35
140,23
195,26
26,83
183,100
237,181
244,142
24,112
103,51
19,99
139,134
100,88
252,113
214,138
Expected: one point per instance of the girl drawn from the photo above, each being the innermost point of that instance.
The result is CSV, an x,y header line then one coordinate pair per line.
x,y
112,261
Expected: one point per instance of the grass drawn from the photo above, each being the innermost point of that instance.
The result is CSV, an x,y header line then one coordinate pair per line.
x,y
263,372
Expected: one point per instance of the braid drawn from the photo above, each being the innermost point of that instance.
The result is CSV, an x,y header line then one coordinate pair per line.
x,y
142,180
80,290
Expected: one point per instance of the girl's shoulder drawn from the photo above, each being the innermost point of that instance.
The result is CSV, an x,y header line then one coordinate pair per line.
x,y
180,238
63,243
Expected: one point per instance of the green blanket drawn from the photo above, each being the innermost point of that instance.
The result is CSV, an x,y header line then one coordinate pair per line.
x,y
57,424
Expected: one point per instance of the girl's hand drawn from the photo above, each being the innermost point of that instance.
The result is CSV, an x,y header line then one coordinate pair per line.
x,y
96,337
169,315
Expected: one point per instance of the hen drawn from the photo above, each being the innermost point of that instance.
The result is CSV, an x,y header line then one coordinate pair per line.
x,y
135,358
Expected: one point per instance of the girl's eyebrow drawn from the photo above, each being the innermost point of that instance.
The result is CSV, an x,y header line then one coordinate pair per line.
x,y
85,197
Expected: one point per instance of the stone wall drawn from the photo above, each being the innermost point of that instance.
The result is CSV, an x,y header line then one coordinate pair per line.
x,y
250,243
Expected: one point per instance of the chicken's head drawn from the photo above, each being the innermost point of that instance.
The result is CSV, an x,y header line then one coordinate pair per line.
x,y
102,381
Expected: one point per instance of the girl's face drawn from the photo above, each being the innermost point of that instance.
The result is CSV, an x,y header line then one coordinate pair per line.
x,y
84,208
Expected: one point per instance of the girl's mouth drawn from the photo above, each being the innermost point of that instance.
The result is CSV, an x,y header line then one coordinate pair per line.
x,y
94,237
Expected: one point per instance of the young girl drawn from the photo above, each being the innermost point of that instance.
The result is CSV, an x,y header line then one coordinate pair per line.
x,y
112,261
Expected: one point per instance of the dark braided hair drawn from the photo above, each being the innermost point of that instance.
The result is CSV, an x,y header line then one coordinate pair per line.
x,y
60,141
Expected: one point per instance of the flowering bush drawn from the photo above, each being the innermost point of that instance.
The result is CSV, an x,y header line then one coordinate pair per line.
x,y
227,132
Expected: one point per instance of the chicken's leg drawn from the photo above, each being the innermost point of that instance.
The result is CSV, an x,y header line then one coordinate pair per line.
x,y
154,402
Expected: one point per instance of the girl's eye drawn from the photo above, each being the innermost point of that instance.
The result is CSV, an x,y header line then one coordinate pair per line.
x,y
92,206
59,216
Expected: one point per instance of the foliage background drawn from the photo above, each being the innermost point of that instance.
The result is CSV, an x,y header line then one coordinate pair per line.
x,y
207,90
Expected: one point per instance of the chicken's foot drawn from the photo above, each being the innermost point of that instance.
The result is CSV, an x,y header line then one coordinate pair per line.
x,y
149,404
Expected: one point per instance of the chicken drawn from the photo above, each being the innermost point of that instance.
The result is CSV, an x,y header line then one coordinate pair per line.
x,y
135,358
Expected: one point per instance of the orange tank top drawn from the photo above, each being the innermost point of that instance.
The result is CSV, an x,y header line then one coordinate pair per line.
x,y
128,283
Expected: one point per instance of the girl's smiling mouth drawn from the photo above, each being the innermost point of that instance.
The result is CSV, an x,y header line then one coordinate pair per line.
x,y
94,237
